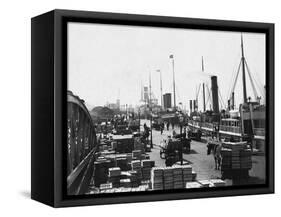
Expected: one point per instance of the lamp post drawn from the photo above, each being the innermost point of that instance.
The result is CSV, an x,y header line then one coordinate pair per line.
x,y
150,108
151,143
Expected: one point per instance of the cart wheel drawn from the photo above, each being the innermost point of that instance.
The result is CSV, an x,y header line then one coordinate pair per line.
x,y
161,155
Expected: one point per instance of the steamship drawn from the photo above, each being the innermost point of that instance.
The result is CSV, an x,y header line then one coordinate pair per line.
x,y
246,123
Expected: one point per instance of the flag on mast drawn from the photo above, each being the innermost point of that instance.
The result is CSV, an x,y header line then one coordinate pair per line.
x,y
171,56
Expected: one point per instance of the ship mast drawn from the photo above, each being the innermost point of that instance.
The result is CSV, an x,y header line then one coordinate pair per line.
x,y
204,104
243,72
150,107
245,68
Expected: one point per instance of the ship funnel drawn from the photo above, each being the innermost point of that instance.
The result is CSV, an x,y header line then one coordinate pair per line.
x,y
190,105
232,101
215,95
194,105
228,104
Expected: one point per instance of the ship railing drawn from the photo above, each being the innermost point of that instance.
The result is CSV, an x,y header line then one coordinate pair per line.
x,y
208,125
259,131
195,123
230,129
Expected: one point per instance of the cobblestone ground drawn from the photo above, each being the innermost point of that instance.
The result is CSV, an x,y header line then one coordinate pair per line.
x,y
203,164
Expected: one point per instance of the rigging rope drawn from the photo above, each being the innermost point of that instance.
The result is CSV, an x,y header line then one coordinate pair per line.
x,y
198,91
252,78
221,99
236,78
178,94
233,75
209,95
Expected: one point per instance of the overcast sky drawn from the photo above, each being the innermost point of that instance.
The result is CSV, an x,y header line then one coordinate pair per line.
x,y
110,61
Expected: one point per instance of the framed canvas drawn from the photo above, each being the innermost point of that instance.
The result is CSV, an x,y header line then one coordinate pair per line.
x,y
134,108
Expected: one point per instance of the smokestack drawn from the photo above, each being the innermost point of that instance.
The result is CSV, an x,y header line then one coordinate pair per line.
x,y
190,105
228,104
194,105
215,94
232,100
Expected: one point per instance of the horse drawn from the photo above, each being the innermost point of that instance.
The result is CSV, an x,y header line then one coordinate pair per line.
x,y
215,149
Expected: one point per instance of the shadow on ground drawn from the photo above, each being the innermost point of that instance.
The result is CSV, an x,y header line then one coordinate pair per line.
x,y
193,152
255,162
248,181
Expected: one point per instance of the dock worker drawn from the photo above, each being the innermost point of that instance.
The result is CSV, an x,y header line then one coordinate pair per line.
x,y
146,131
174,133
168,125
162,127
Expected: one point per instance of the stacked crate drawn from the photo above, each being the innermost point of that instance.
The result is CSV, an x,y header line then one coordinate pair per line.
x,y
157,178
138,145
236,159
177,177
146,168
173,177
114,176
122,162
136,154
126,183
168,176
145,182
101,171
129,157
246,159
134,178
136,166
106,153
114,172
105,186
125,175
144,156
187,173
226,163
124,143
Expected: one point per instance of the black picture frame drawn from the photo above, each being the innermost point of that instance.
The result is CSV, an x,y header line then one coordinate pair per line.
x,y
48,108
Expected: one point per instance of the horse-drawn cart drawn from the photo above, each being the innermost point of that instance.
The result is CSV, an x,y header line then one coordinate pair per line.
x,y
195,134
185,142
233,159
172,150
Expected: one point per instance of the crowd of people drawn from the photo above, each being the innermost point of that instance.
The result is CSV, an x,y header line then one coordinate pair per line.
x,y
167,124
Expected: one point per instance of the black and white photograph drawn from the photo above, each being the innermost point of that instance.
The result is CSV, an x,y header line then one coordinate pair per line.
x,y
164,109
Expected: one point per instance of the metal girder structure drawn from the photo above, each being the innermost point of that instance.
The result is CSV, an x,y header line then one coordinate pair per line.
x,y
81,144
